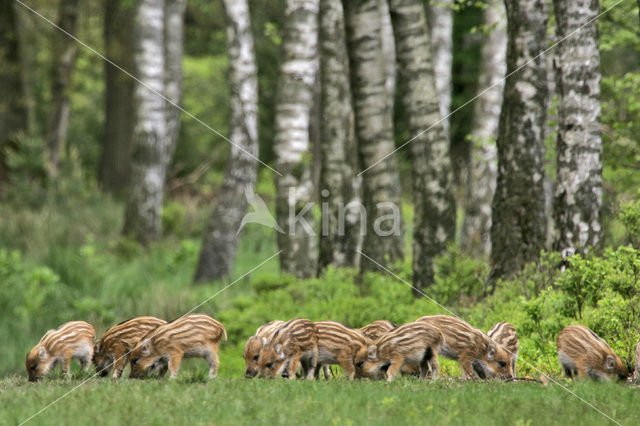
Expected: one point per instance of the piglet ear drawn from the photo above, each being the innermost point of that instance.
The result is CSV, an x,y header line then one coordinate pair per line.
x,y
372,353
491,352
42,353
145,349
611,363
279,351
97,347
264,341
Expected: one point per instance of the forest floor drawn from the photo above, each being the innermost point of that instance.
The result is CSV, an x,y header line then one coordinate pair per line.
x,y
191,399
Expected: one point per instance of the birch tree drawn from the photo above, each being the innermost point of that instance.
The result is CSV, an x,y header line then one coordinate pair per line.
x,y
440,18
388,52
13,108
294,187
218,252
434,218
578,195
518,215
374,133
340,233
481,181
115,160
64,54
148,159
173,49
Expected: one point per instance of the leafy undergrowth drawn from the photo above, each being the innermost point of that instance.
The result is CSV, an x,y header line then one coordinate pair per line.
x,y
191,399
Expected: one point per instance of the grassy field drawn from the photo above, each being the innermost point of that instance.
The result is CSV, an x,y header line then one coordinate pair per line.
x,y
192,400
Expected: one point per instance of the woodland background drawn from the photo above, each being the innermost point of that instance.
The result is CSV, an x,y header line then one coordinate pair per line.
x,y
75,169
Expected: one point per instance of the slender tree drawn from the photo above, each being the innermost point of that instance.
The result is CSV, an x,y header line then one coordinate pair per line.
x,y
434,204
481,180
294,187
218,252
115,165
148,159
374,133
518,216
388,52
13,108
173,50
440,18
64,54
340,234
578,196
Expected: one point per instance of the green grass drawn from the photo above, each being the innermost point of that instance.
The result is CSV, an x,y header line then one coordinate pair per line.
x,y
190,399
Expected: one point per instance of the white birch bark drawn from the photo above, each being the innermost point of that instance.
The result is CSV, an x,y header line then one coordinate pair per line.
x,y
374,133
518,230
220,244
143,213
433,199
578,194
294,100
440,18
481,181
63,61
340,234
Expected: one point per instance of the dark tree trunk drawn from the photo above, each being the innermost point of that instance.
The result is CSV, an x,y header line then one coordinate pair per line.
x,y
435,212
218,252
115,160
518,230
578,196
481,179
340,235
374,132
143,214
64,54
13,108
294,189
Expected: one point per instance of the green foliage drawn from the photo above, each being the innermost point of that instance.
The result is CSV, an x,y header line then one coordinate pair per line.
x,y
459,279
630,217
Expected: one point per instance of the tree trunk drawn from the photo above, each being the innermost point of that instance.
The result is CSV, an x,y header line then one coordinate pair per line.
x,y
481,180
115,161
218,252
435,213
440,15
340,236
578,195
13,108
143,215
294,189
173,42
64,54
374,132
519,222
388,52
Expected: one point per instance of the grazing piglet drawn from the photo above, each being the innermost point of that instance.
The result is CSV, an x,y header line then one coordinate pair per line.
x,y
504,334
411,344
338,344
581,352
294,344
112,350
254,345
376,329
192,335
476,353
72,340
